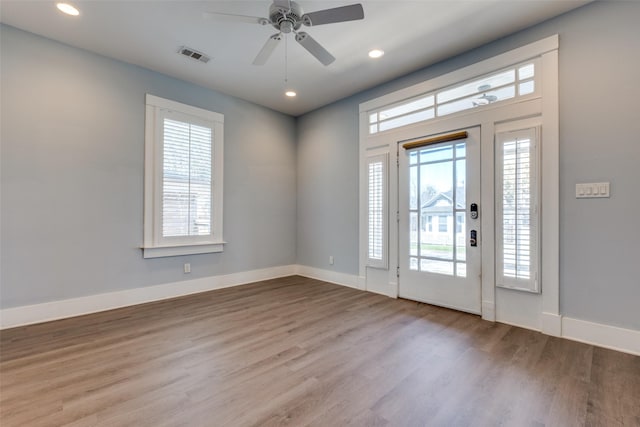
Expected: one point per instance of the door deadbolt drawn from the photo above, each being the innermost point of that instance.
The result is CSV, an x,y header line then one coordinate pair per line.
x,y
474,211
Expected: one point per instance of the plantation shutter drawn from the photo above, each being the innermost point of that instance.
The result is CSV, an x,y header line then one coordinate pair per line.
x,y
517,211
376,210
186,178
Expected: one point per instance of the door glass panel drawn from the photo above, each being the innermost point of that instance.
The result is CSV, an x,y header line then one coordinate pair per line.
x,y
436,182
413,157
461,178
413,233
461,237
436,153
413,188
437,209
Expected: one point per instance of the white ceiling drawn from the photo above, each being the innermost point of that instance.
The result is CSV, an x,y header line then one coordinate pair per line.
x,y
149,33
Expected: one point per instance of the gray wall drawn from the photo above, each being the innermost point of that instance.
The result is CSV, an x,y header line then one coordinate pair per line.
x,y
328,188
72,176
599,128
72,153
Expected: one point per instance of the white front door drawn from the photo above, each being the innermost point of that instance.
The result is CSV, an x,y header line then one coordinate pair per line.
x,y
439,197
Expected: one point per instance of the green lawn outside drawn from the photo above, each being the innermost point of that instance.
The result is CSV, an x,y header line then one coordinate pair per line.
x,y
446,251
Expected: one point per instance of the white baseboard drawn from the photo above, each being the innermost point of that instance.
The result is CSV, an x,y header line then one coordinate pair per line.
x,y
390,290
598,334
551,324
335,277
37,313
489,311
620,339
394,290
612,337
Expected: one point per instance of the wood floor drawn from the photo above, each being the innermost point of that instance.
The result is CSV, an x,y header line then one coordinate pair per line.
x,y
300,352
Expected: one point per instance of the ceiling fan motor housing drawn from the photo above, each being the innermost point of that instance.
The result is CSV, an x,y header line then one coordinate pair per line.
x,y
286,19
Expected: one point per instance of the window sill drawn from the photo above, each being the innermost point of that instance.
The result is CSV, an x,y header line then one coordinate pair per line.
x,y
178,250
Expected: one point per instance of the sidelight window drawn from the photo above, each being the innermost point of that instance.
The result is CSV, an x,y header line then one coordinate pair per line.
x,y
517,209
376,214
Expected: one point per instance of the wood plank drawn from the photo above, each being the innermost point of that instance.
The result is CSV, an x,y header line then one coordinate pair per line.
x,y
297,351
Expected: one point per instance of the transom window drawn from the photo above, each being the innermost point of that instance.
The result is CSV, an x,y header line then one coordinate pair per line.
x,y
499,86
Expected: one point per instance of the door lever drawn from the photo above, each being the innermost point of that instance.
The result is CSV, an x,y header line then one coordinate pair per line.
x,y
473,238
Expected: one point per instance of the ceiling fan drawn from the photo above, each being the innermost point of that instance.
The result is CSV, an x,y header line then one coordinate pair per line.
x,y
485,99
287,16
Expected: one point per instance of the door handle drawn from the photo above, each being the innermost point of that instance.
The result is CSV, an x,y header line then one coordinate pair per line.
x,y
473,238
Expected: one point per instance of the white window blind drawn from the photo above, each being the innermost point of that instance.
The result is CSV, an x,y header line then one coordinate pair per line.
x,y
186,180
377,182
183,179
517,186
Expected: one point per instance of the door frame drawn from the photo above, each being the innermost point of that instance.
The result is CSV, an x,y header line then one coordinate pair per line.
x,y
474,132
538,312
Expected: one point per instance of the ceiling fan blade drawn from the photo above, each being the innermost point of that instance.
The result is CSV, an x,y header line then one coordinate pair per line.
x,y
338,14
267,49
314,48
230,17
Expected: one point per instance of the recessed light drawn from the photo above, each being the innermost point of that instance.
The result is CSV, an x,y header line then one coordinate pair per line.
x,y
376,53
68,9
290,93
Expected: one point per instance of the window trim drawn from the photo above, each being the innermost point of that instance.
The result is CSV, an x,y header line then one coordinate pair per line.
x,y
443,226
155,245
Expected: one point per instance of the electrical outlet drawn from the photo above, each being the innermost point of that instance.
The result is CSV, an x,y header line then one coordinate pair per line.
x,y
330,259
187,268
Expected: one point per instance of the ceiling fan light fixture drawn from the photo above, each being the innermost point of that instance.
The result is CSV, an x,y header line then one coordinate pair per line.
x,y
68,9
291,94
376,53
287,17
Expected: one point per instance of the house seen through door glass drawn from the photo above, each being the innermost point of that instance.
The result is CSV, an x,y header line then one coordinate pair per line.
x,y
437,209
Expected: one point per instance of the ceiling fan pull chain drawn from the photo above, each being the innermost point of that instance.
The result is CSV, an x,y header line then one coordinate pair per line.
x,y
286,61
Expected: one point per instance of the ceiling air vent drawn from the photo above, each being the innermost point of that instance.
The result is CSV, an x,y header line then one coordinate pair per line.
x,y
194,54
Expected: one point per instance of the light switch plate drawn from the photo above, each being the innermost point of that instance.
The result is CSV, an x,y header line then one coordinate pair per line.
x,y
592,190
